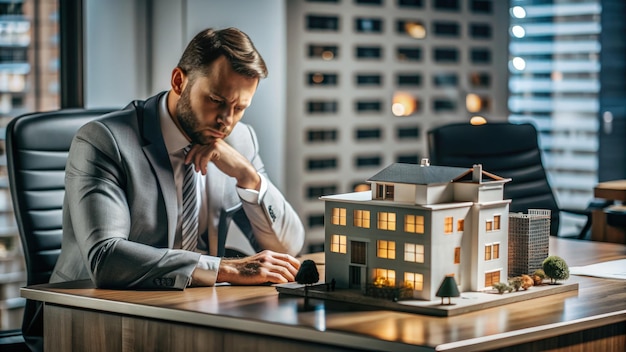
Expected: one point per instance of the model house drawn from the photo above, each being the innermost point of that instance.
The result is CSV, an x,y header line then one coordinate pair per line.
x,y
417,225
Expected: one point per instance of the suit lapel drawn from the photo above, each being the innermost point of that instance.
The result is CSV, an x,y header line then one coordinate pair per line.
x,y
156,153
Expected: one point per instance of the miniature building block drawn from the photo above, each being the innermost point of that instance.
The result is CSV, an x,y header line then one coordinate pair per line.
x,y
529,241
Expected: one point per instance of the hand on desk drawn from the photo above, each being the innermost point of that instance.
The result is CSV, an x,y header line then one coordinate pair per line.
x,y
261,268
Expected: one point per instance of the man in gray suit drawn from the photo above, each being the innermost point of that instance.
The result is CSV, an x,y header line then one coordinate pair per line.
x,y
122,211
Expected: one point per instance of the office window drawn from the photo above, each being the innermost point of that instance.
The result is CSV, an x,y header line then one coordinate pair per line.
x,y
409,80
386,221
445,80
368,52
446,5
492,278
338,216
323,23
414,280
410,132
322,79
371,80
324,52
368,133
411,28
446,29
443,105
368,2
322,107
413,253
338,244
321,164
407,158
488,252
368,25
480,30
460,225
319,136
496,222
410,3
481,6
480,56
446,55
368,106
362,218
480,79
316,220
386,249
447,225
457,255
314,192
367,161
409,54
413,223
386,277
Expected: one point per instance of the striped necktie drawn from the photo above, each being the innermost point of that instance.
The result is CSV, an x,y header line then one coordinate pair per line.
x,y
190,207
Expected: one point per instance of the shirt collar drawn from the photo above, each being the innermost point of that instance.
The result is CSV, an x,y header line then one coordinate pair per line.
x,y
174,139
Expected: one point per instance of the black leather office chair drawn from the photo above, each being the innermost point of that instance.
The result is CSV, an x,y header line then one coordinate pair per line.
x,y
507,150
37,146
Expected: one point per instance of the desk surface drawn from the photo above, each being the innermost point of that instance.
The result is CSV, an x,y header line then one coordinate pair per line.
x,y
612,190
261,310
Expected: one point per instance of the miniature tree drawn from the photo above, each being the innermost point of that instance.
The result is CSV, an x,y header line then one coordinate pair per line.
x,y
448,289
307,275
516,283
501,287
538,277
555,268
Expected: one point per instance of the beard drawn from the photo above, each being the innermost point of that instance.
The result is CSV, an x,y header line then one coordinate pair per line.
x,y
190,123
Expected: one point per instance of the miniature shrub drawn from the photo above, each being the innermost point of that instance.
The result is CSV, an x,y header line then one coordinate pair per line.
x,y
516,283
501,287
555,268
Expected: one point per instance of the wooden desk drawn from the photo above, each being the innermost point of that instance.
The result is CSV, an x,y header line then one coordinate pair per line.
x,y
226,318
600,230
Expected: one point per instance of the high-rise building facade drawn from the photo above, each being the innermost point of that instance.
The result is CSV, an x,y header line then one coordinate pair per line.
x,y
369,78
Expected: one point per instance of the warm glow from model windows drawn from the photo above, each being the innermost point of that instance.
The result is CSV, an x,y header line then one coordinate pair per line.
x,y
495,254
413,253
386,249
414,280
496,222
362,218
487,252
339,216
386,221
489,225
384,277
457,255
328,55
415,30
338,244
448,225
460,225
473,102
478,120
492,278
414,224
318,78
404,104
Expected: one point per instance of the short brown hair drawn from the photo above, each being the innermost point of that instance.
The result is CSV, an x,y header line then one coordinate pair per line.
x,y
235,45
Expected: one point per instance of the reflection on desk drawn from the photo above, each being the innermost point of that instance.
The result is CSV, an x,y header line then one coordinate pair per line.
x,y
228,318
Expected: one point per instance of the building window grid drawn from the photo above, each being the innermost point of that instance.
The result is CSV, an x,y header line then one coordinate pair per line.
x,y
448,225
386,221
414,280
387,276
413,253
338,244
339,216
414,223
457,255
362,218
386,249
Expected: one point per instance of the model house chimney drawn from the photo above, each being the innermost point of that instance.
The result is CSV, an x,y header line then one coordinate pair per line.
x,y
477,174
425,162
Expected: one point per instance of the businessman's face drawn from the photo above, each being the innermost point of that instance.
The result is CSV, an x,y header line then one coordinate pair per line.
x,y
210,105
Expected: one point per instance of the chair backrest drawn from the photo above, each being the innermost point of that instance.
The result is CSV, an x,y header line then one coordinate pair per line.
x,y
37,146
505,149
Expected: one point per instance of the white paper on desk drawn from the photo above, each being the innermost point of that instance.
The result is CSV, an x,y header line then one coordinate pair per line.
x,y
614,269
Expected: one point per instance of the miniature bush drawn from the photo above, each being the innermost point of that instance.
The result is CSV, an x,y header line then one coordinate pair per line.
x,y
538,276
527,282
501,287
516,283
555,268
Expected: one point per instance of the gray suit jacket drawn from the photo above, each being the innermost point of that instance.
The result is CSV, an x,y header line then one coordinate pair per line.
x,y
120,205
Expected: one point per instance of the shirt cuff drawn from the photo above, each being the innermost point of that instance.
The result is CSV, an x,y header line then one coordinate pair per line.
x,y
208,266
252,195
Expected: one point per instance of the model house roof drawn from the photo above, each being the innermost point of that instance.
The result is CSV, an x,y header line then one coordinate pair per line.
x,y
417,174
426,174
